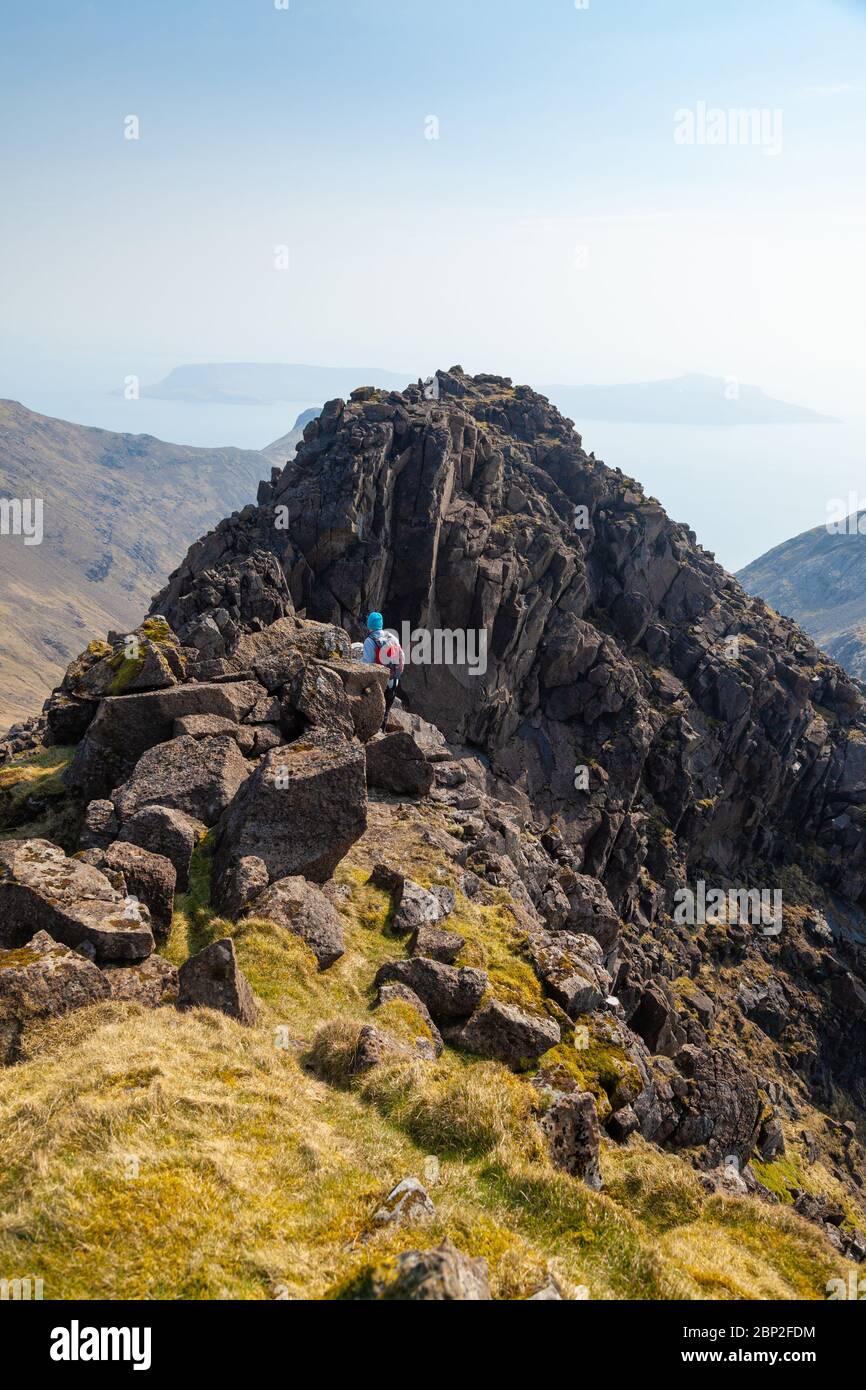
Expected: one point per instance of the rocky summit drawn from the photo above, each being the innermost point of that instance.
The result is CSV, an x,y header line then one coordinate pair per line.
x,y
572,951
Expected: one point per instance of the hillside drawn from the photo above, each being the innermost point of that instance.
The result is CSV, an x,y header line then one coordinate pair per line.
x,y
292,1006
819,579
119,511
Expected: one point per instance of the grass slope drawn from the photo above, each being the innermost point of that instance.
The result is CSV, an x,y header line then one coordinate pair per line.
x,y
152,1154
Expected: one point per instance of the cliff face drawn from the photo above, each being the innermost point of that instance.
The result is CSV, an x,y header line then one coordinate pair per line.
x,y
613,642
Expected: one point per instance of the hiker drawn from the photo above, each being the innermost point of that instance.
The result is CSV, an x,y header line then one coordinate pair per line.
x,y
382,648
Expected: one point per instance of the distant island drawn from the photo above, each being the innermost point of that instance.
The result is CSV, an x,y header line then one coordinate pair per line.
x,y
692,399
267,383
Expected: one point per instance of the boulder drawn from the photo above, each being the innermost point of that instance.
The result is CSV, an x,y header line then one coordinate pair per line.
x,y
406,1204
721,1109
67,717
395,992
243,881
591,910
415,906
436,943
212,979
42,890
197,776
507,1034
303,909
149,658
151,983
318,696
655,1020
375,1046
441,1275
100,825
272,655
42,979
265,737
389,879
168,832
300,812
450,994
622,1123
365,689
396,764
570,966
267,710
212,725
570,1125
126,726
146,876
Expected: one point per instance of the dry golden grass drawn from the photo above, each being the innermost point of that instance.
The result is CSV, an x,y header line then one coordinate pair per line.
x,y
154,1154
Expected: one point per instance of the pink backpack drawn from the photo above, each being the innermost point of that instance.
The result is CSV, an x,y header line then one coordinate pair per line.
x,y
389,652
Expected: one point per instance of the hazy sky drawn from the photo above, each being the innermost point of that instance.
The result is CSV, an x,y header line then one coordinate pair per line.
x,y
555,230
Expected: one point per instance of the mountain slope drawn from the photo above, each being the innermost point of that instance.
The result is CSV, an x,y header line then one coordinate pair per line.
x,y
454,950
819,579
119,509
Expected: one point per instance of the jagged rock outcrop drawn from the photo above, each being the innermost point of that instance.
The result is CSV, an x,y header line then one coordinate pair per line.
x,y
614,644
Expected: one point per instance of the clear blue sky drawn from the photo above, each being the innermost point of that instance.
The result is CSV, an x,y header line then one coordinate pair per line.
x,y
555,230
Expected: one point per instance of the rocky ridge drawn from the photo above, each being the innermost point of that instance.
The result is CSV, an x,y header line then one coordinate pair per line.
x,y
640,723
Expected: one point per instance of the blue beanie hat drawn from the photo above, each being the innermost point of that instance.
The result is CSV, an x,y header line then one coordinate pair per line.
x,y
374,622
